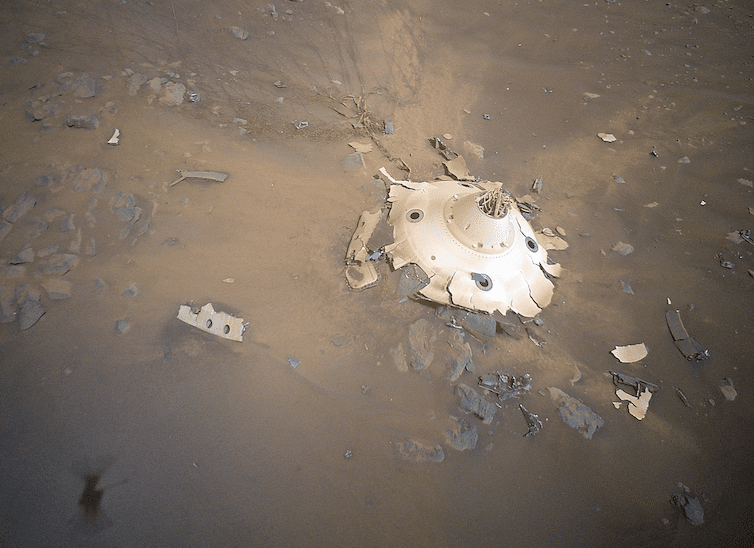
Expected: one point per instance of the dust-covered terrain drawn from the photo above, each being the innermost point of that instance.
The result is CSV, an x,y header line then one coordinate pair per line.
x,y
123,426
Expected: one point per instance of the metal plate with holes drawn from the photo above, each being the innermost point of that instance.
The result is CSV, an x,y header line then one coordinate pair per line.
x,y
218,323
474,244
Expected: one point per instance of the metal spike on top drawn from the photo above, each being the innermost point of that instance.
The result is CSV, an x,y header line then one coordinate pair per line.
x,y
495,203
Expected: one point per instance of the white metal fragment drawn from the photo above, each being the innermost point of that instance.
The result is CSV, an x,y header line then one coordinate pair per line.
x,y
607,137
631,353
637,406
218,323
114,140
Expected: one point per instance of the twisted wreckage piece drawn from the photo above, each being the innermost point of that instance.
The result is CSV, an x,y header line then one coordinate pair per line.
x,y
471,240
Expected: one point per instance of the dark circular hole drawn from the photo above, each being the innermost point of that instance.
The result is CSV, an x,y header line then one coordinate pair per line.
x,y
226,329
484,283
209,324
415,215
531,244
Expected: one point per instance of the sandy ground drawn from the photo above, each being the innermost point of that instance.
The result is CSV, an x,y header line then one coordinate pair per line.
x,y
200,441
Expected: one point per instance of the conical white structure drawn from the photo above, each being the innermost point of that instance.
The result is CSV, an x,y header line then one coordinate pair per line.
x,y
474,244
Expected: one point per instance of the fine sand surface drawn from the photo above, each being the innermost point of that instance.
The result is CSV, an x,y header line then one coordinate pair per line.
x,y
201,441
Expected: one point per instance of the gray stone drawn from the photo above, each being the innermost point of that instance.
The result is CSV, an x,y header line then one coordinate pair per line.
x,y
575,414
691,506
25,255
5,227
90,179
75,245
121,326
471,402
462,435
420,338
134,82
34,38
84,86
20,207
30,311
130,291
354,161
82,121
57,289
172,94
60,263
91,249
420,452
459,355
44,180
240,33
124,206
155,84
66,225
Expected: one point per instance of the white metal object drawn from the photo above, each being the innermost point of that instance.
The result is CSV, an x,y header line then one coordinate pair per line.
x,y
218,323
472,241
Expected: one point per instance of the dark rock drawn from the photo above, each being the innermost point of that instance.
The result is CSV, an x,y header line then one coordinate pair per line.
x,y
471,402
82,121
30,311
420,452
462,435
60,263
420,338
575,414
459,355
19,208
690,505
92,179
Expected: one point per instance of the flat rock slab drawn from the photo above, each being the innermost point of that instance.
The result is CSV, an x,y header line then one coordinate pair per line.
x,y
421,335
575,414
90,179
82,121
472,402
20,207
60,263
459,355
30,312
57,289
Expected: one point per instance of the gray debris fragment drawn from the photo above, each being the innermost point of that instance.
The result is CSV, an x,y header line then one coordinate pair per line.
x,y
532,421
726,387
25,255
66,225
354,161
506,386
459,355
134,82
208,175
480,325
622,248
34,38
421,335
462,435
60,263
471,402
124,206
239,32
130,291
688,346
575,414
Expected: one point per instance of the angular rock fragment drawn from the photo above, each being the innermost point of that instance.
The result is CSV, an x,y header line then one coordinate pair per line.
x,y
90,179
57,289
82,121
172,94
471,402
688,346
462,435
459,355
30,311
134,82
60,263
19,208
575,414
421,335
25,255
84,86
5,227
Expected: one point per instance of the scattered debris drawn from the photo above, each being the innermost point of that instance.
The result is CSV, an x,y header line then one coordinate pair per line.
x,y
362,273
688,346
631,353
207,175
460,355
293,361
532,421
626,287
473,148
607,137
726,387
689,503
506,386
623,249
218,323
280,84
362,148
684,160
31,310
480,325
457,169
420,452
462,435
575,414
637,405
300,125
471,402
682,397
114,140
536,339
19,208
619,179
